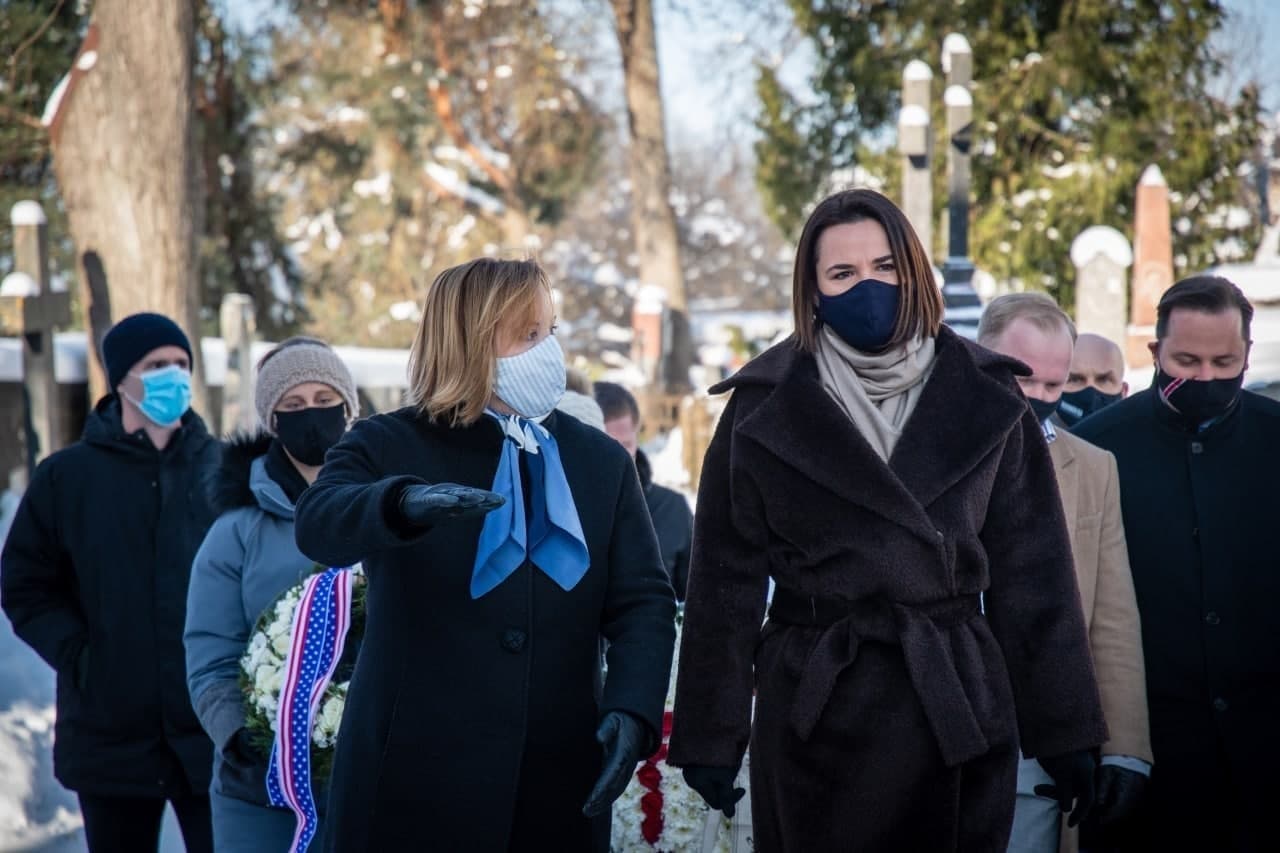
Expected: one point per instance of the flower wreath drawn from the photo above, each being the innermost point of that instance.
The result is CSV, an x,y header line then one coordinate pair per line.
x,y
262,674
659,813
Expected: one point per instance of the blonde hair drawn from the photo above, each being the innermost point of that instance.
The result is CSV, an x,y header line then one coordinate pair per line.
x,y
454,355
1037,308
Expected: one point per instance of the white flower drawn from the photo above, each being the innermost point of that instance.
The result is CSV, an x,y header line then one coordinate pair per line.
x,y
281,644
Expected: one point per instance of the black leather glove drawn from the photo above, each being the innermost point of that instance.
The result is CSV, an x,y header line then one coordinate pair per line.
x,y
1119,792
623,738
426,506
1073,781
715,785
242,745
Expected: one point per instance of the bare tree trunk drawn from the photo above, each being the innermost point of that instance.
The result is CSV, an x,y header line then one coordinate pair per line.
x,y
653,220
126,164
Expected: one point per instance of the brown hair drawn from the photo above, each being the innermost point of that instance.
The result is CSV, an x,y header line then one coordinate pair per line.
x,y
454,355
920,310
1039,309
1211,294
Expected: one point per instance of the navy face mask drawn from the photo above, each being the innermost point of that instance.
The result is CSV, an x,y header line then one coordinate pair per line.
x,y
1078,405
864,316
1041,409
1198,400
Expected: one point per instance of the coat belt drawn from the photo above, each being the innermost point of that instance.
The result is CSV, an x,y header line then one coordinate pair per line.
x,y
918,628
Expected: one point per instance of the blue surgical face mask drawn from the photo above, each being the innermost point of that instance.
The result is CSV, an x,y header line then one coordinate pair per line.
x,y
532,382
864,315
166,395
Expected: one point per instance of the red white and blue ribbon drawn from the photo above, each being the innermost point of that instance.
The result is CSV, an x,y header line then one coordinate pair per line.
x,y
320,624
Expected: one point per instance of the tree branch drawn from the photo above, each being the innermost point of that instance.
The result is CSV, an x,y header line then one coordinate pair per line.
x,y
40,30
10,114
449,121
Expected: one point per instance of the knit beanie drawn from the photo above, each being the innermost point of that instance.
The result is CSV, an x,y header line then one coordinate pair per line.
x,y
582,407
132,338
298,360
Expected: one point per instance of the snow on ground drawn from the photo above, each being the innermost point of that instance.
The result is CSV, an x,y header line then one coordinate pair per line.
x,y
38,815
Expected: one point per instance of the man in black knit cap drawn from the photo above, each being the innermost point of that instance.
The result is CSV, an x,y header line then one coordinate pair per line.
x,y
94,577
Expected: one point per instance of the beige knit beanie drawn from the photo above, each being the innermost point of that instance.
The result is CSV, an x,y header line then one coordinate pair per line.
x,y
297,360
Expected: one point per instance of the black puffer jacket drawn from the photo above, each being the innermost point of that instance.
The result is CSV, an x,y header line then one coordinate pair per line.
x,y
99,558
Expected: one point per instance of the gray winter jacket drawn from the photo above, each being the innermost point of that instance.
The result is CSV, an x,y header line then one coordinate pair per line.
x,y
246,561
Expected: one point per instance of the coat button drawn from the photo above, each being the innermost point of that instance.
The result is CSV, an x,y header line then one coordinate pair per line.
x,y
1197,448
1211,618
1219,704
513,640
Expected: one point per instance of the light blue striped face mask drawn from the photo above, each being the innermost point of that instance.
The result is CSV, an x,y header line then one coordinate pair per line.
x,y
532,382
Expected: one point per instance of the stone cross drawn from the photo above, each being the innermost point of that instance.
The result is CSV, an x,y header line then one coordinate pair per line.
x,y
1152,262
915,141
32,309
1101,255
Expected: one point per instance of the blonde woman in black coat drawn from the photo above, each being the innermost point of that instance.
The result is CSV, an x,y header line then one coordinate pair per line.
x,y
890,478
501,540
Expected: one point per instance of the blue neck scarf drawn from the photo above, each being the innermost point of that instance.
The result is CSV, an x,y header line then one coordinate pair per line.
x,y
551,537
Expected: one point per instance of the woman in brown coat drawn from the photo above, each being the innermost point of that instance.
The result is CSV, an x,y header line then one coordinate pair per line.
x,y
890,478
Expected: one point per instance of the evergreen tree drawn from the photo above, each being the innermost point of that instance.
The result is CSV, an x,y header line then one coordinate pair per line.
x,y
1072,100
38,43
408,136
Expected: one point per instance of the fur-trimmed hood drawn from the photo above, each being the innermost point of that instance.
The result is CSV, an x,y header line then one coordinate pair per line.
x,y
240,478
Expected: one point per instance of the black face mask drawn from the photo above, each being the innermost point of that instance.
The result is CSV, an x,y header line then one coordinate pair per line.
x,y
308,433
1078,405
1198,401
1041,409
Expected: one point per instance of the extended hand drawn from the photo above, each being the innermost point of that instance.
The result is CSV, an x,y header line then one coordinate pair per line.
x,y
715,785
623,738
1119,792
426,506
1073,781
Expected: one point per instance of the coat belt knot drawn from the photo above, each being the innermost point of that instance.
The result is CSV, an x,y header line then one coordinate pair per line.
x,y
918,628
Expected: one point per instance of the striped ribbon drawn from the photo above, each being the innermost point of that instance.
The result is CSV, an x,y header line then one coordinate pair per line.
x,y
320,625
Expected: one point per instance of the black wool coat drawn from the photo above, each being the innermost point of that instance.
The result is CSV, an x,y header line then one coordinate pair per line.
x,y
897,726
99,557
470,724
1200,512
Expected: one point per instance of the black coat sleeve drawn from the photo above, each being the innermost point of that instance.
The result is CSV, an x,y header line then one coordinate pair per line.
x,y
728,586
1033,604
639,612
38,585
349,512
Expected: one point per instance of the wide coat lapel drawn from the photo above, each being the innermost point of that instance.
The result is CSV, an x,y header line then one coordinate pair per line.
x,y
799,423
963,415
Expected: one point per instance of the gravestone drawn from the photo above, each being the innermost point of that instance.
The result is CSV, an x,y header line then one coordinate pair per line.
x,y
236,320
1101,256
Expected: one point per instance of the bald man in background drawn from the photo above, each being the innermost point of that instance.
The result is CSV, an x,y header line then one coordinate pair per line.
x,y
1096,379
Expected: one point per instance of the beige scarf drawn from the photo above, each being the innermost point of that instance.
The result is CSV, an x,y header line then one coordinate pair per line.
x,y
878,391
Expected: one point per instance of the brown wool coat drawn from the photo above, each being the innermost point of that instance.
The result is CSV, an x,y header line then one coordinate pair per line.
x,y
1090,487
863,740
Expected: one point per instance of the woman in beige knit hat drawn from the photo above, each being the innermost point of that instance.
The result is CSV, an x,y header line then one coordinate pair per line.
x,y
306,399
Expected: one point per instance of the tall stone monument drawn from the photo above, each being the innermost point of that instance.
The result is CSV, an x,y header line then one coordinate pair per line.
x,y
1152,263
962,305
1101,254
915,141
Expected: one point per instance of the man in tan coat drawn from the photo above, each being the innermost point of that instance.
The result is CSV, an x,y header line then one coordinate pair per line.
x,y
1033,329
